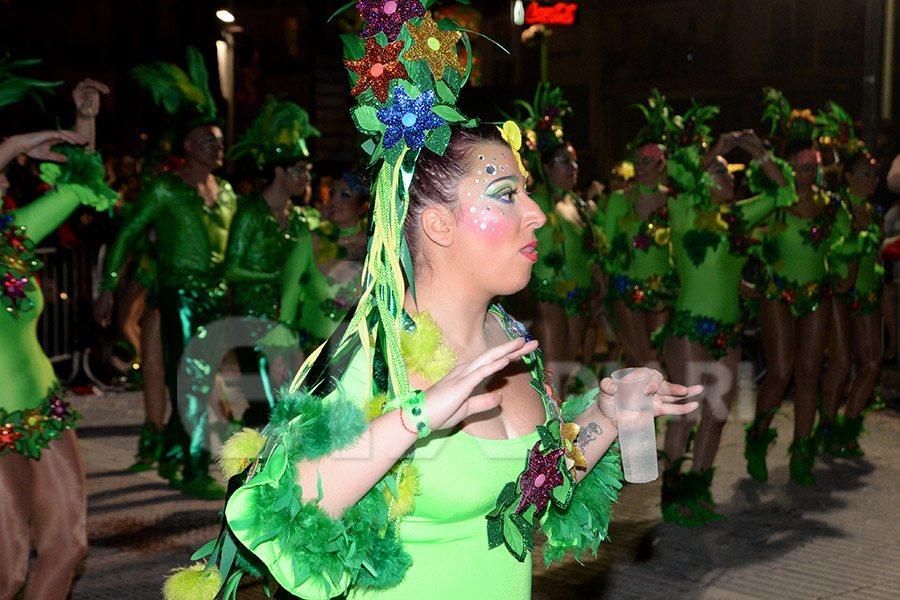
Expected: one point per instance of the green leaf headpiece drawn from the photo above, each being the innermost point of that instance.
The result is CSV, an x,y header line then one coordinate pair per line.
x,y
660,123
277,136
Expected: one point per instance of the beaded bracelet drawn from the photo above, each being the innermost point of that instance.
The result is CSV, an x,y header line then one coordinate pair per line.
x,y
412,409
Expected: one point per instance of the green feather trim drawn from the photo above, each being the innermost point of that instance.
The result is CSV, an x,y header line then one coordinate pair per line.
x,y
583,525
312,427
239,451
760,183
84,167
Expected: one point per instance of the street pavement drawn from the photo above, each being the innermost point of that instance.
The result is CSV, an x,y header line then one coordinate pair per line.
x,y
837,540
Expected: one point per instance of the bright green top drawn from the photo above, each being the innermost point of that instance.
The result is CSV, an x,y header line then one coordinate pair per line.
x,y
708,257
566,252
25,370
257,251
636,248
191,237
858,244
447,535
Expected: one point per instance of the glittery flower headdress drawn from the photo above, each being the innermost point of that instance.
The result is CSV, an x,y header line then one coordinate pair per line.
x,y
406,76
277,136
184,95
14,88
834,132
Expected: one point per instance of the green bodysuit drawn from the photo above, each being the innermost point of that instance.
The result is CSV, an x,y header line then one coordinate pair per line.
x,y
257,250
563,273
33,410
637,255
795,251
192,240
861,245
447,537
711,247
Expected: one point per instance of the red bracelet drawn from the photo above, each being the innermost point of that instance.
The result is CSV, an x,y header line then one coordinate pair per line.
x,y
403,424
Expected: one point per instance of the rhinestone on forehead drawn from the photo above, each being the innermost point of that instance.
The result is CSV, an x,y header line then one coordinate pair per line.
x,y
490,169
481,157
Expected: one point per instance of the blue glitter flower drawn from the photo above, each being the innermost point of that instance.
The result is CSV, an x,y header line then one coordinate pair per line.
x,y
621,283
706,326
408,118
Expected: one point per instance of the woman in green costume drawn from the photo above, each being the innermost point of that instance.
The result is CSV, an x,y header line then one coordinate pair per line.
x,y
191,210
263,234
856,322
795,314
395,462
328,261
564,282
710,237
42,486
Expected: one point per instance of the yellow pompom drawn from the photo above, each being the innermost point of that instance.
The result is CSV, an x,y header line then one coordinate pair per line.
x,y
240,449
192,583
374,406
424,350
407,489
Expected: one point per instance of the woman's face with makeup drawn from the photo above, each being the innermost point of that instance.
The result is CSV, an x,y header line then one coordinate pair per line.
x,y
497,220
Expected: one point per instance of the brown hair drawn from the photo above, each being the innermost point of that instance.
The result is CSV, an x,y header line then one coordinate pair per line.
x,y
436,178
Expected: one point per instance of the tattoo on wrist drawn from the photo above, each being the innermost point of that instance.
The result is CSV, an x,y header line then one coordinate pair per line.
x,y
587,435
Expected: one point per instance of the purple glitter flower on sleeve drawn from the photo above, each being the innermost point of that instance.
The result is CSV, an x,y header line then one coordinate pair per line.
x,y
388,16
539,479
408,119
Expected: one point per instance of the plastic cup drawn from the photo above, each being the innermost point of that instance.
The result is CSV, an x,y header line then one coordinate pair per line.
x,y
637,433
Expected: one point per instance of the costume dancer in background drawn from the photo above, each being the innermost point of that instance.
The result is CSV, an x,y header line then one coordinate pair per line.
x,y
42,486
191,210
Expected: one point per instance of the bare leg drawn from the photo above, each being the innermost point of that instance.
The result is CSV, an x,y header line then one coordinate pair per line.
x,y
813,329
635,328
15,514
838,360
60,519
685,363
155,399
132,302
778,335
720,380
866,334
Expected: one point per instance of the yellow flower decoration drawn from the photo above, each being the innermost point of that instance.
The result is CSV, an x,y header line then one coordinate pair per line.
x,y
435,46
710,220
513,136
574,457
662,235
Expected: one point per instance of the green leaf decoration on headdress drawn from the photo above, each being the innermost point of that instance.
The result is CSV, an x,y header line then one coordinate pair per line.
x,y
834,126
14,88
693,126
277,136
776,108
793,126
542,119
660,123
184,95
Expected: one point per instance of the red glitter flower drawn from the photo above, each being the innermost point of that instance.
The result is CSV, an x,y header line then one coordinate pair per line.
x,y
13,288
721,341
641,241
539,479
9,437
388,16
377,68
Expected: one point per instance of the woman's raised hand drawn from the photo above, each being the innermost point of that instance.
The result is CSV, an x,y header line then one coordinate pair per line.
x,y
667,397
448,401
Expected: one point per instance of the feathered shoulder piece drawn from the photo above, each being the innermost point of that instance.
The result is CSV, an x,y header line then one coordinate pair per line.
x,y
14,88
277,136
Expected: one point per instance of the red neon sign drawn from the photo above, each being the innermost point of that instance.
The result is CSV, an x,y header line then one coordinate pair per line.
x,y
561,13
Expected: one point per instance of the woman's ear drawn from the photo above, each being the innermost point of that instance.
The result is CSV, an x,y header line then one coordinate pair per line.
x,y
438,225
